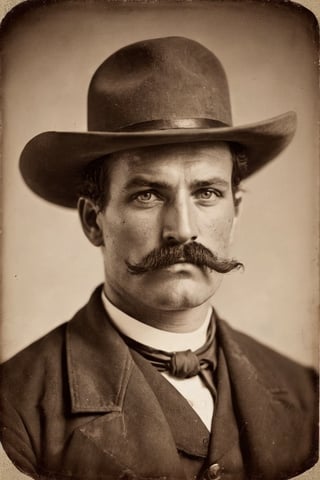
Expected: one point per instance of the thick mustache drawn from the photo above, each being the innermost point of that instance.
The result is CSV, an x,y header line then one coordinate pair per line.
x,y
194,253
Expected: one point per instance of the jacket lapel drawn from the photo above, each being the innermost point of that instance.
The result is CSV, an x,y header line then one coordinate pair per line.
x,y
192,440
131,429
268,417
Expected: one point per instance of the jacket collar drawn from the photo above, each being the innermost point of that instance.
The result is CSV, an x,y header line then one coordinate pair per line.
x,y
99,364
97,385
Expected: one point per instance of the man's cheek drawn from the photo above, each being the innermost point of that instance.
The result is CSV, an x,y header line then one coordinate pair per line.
x,y
139,232
131,243
219,233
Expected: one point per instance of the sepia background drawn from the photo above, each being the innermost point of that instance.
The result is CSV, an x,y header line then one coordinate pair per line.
x,y
270,55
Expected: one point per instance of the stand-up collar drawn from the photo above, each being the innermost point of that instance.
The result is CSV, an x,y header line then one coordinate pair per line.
x,y
155,337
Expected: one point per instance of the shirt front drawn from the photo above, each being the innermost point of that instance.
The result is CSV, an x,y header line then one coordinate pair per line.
x,y
193,389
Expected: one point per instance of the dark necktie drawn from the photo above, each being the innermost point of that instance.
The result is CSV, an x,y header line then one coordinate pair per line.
x,y
183,364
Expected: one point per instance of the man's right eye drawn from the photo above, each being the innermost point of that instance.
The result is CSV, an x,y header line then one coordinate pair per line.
x,y
146,197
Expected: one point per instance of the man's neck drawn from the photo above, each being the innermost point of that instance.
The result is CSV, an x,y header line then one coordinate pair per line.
x,y
178,321
154,337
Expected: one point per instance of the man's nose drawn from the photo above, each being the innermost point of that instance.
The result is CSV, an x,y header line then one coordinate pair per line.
x,y
179,225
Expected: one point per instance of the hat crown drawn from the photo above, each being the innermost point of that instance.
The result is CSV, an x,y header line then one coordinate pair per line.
x,y
160,79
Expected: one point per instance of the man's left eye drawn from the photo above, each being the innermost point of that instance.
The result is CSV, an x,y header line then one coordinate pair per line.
x,y
207,194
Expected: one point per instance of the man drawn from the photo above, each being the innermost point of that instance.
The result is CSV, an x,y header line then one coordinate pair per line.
x,y
146,382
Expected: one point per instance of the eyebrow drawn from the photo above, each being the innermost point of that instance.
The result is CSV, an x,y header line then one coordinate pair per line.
x,y
143,182
217,181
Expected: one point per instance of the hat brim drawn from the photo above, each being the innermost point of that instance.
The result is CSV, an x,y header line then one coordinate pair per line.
x,y
52,163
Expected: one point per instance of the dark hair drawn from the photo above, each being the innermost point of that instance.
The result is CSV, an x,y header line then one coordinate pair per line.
x,y
239,170
94,181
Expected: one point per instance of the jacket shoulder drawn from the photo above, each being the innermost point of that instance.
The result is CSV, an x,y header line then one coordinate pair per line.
x,y
273,367
34,357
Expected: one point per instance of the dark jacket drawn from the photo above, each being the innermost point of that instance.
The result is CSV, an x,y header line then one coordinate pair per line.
x,y
78,404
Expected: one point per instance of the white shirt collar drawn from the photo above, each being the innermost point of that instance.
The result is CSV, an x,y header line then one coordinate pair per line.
x,y
154,337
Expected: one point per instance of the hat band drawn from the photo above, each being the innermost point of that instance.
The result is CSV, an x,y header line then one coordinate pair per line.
x,y
174,123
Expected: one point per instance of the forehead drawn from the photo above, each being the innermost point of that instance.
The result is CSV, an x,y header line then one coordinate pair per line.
x,y
168,160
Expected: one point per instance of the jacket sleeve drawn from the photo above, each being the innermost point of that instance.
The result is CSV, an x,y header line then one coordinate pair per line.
x,y
16,440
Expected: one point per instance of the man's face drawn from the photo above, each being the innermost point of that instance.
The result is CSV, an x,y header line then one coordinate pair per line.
x,y
159,196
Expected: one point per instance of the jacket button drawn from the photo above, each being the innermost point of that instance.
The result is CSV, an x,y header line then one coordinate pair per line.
x,y
213,472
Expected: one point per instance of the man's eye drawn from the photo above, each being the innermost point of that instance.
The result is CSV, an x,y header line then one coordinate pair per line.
x,y
146,197
207,194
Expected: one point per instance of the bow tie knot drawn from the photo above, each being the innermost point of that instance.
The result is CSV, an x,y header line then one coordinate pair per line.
x,y
184,364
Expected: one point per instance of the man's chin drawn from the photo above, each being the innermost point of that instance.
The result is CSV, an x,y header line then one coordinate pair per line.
x,y
182,293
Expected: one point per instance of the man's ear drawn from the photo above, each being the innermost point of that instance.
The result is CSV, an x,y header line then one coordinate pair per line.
x,y
238,196
237,212
88,212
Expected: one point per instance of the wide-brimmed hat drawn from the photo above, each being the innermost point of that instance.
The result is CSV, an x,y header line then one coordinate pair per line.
x,y
154,92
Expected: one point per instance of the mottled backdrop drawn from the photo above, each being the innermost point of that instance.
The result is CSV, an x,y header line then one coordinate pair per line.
x,y
270,56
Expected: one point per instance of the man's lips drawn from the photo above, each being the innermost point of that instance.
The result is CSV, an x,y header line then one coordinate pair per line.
x,y
179,265
181,260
